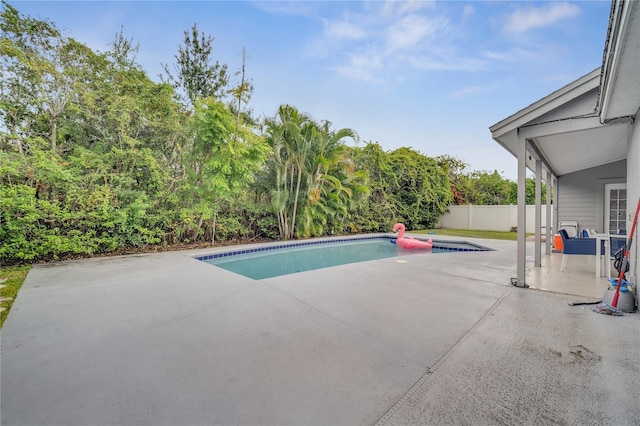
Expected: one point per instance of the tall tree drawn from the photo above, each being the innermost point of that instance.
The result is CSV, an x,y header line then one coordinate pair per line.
x,y
123,51
309,177
194,71
462,187
220,161
285,135
241,95
420,188
36,85
333,187
530,192
377,214
80,168
490,188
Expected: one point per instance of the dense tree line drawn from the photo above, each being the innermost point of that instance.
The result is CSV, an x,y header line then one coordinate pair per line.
x,y
482,187
95,156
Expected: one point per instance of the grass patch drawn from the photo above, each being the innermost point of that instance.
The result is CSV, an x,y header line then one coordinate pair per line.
x,y
493,235
11,278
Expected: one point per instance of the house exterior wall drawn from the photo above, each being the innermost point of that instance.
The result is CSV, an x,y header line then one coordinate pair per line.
x,y
633,192
581,194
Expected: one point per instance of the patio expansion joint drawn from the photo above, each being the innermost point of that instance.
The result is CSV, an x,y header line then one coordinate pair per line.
x,y
370,336
389,414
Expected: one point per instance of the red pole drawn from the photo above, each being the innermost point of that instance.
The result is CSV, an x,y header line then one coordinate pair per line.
x,y
625,259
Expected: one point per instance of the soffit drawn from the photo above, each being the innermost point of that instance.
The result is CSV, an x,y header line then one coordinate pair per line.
x,y
574,151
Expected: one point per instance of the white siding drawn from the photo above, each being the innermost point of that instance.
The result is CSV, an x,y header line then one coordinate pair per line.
x,y
581,194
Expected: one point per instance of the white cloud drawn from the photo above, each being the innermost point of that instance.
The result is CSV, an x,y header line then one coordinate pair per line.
x,y
410,31
358,73
291,7
468,91
369,59
447,62
344,30
468,11
363,66
523,20
502,56
394,7
392,41
540,53
386,41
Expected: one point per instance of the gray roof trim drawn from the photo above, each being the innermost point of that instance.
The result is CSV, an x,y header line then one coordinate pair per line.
x,y
606,55
550,102
621,12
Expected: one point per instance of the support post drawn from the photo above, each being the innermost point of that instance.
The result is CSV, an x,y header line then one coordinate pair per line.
x,y
547,250
521,249
555,204
538,214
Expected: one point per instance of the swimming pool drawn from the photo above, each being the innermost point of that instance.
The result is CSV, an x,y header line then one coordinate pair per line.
x,y
283,259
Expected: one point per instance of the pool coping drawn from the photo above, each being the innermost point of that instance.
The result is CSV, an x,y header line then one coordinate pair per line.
x,y
437,243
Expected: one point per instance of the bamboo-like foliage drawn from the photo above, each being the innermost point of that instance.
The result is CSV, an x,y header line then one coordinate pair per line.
x,y
310,180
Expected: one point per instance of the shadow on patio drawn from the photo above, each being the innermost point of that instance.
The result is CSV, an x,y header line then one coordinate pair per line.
x,y
579,277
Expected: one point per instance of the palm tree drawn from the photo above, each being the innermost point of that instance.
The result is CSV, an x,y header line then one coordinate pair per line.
x,y
285,134
335,186
306,173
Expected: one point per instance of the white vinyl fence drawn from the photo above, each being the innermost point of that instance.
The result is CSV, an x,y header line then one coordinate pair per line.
x,y
490,218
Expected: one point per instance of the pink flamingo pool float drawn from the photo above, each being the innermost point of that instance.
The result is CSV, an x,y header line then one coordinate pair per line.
x,y
410,243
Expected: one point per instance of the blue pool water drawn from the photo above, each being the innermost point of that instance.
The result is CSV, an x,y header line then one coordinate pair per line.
x,y
273,261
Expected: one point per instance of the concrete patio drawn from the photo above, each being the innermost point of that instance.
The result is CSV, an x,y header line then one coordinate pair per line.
x,y
429,339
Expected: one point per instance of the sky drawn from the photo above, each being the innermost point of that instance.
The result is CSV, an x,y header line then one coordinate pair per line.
x,y
429,75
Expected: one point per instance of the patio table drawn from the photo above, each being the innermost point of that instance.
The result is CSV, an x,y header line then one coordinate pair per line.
x,y
606,238
603,238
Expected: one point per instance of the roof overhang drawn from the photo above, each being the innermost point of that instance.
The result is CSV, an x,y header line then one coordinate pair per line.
x,y
586,123
620,83
564,131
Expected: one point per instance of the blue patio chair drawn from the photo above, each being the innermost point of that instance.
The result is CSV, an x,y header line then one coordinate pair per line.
x,y
583,246
617,242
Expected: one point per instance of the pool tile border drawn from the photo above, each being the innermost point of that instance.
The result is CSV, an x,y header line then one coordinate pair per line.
x,y
475,247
